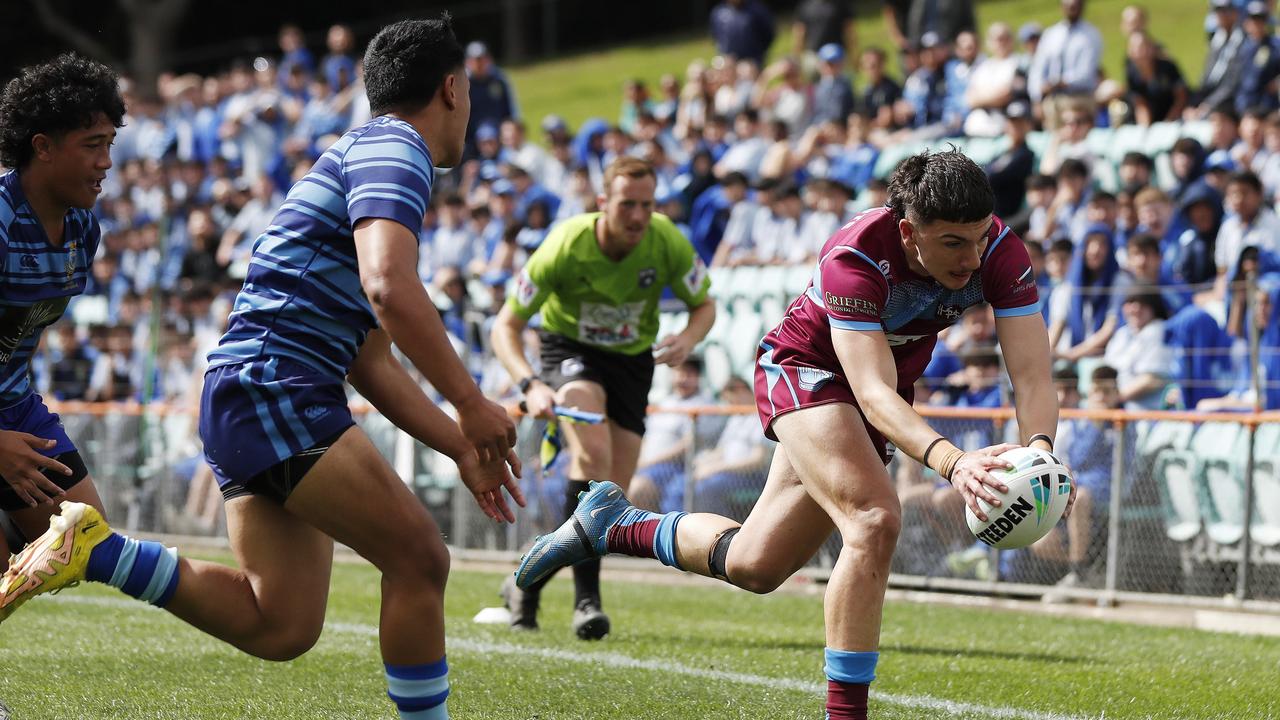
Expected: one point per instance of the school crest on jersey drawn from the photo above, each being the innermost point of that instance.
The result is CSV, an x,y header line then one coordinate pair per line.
x,y
646,277
693,279
526,289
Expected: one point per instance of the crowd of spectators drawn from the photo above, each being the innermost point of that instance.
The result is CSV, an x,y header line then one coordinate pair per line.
x,y
1143,264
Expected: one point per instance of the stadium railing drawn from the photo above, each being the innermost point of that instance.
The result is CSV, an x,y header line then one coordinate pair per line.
x,y
1185,506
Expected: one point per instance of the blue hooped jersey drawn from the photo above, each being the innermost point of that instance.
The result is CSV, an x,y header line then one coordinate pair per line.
x,y
302,297
39,280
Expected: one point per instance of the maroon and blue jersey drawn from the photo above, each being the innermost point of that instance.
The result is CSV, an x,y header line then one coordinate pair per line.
x,y
862,282
40,278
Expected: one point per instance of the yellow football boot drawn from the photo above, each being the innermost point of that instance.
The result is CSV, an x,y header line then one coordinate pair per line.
x,y
56,559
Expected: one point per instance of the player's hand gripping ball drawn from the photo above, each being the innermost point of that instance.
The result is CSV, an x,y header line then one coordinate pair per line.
x,y
1039,486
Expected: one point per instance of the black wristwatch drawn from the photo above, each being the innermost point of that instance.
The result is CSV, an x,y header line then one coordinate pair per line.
x,y
525,383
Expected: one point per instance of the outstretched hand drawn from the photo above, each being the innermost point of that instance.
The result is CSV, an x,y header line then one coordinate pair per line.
x,y
971,477
486,480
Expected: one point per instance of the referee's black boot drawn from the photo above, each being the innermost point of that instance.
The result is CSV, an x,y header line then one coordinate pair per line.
x,y
589,621
522,604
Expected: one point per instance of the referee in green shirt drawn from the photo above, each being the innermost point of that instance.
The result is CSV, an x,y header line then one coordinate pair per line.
x,y
597,280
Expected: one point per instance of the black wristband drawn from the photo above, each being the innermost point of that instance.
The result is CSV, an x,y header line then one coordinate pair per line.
x,y
524,384
1041,436
925,460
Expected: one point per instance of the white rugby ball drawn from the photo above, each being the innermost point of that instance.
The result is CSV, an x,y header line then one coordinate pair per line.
x,y
1039,485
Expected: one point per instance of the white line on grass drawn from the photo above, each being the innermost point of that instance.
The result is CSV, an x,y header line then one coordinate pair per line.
x,y
618,660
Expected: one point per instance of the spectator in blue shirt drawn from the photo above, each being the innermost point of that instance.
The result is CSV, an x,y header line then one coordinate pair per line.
x,y
742,29
1261,51
493,99
926,90
1064,70
833,93
294,52
339,66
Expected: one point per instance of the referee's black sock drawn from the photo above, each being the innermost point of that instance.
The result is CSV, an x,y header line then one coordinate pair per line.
x,y
586,575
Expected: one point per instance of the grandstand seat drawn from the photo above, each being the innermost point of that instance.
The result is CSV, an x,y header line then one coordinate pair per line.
x,y
744,280
1161,136
745,331
798,277
661,386
671,323
1099,141
1164,177
720,277
1201,130
1125,139
1266,486
1175,473
771,281
1037,142
771,309
742,305
717,366
1220,449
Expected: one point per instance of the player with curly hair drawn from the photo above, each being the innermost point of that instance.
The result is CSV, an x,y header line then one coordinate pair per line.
x,y
57,123
331,284
834,385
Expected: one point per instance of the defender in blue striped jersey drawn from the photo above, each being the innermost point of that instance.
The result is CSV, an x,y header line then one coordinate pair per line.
x,y
332,283
57,121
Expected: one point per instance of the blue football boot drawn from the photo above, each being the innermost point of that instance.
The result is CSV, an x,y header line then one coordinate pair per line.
x,y
580,538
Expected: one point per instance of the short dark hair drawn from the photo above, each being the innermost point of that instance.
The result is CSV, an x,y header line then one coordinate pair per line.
x,y
1143,242
1245,177
1133,157
55,98
940,186
406,62
1103,373
1101,196
1074,168
1149,296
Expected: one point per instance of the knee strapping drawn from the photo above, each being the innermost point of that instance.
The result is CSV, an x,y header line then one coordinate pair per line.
x,y
720,554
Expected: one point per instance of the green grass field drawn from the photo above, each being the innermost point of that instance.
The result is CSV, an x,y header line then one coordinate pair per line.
x,y
677,652
590,84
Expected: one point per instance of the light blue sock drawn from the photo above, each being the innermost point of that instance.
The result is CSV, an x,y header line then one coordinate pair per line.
x,y
851,667
140,568
419,691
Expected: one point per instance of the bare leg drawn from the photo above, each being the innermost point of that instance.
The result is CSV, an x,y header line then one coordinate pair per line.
x,y
843,473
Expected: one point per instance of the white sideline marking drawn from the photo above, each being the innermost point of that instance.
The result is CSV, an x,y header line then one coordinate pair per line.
x,y
618,660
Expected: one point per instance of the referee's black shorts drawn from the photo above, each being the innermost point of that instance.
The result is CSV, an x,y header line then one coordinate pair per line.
x,y
626,379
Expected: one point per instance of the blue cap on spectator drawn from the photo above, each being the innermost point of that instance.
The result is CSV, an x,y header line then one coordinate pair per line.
x,y
489,172
930,39
831,52
476,49
1220,160
1222,4
486,132
503,187
1257,8
1031,30
1018,110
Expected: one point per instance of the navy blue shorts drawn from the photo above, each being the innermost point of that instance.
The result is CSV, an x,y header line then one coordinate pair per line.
x,y
31,415
256,415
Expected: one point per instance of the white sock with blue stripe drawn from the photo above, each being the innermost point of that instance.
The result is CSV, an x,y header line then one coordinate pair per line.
x,y
419,691
140,568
